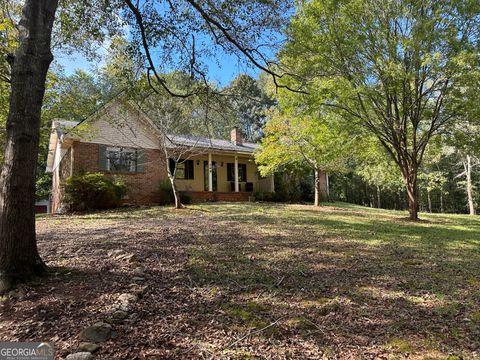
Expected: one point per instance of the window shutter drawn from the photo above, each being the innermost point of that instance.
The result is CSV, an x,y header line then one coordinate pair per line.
x,y
102,158
230,171
140,160
190,169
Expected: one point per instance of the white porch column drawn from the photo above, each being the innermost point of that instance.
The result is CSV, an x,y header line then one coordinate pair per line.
x,y
210,172
237,189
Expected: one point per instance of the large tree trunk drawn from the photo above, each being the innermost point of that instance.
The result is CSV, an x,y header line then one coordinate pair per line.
x,y
318,189
19,258
468,171
412,194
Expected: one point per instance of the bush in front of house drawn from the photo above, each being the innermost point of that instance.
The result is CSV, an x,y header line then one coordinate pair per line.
x,y
267,196
91,191
166,194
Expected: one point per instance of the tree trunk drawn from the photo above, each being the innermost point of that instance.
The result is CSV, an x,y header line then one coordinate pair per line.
x,y
441,201
19,258
327,186
468,170
317,187
176,194
412,195
429,201
379,202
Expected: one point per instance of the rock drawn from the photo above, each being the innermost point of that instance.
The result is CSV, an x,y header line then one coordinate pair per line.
x,y
127,298
80,356
122,307
138,290
87,347
119,315
98,332
139,272
131,258
114,253
19,294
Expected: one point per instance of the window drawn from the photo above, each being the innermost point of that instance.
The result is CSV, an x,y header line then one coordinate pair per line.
x,y
120,159
184,169
242,172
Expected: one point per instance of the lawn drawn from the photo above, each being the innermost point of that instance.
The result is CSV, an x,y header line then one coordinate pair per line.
x,y
257,281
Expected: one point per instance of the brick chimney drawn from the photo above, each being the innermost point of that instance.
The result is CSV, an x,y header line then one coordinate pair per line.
x,y
236,136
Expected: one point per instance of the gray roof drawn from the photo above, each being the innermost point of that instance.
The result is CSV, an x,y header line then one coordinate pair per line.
x,y
207,143
63,126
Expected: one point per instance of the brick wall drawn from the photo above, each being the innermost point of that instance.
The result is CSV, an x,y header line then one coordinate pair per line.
x,y
142,188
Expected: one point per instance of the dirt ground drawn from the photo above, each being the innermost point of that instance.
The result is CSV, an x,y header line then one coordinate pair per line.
x,y
245,281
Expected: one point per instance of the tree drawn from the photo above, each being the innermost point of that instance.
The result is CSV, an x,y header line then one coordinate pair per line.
x,y
180,123
19,256
298,140
466,146
376,168
172,27
398,67
250,103
432,177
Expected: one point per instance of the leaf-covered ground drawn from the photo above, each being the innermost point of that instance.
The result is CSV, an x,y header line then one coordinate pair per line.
x,y
247,281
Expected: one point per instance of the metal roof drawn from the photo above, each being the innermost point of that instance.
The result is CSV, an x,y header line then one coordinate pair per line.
x,y
207,143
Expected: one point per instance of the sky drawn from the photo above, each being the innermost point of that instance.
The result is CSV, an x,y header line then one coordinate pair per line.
x,y
222,71
222,68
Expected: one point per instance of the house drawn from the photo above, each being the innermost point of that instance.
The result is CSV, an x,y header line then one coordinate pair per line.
x,y
120,139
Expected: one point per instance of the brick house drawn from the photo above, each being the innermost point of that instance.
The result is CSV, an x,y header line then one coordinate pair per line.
x,y
121,139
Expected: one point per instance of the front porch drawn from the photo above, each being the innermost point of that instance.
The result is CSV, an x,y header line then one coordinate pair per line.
x,y
222,177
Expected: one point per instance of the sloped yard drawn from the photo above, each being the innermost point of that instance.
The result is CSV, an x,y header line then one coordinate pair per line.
x,y
256,281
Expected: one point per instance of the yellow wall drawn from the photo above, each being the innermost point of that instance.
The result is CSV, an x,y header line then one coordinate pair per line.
x,y
197,184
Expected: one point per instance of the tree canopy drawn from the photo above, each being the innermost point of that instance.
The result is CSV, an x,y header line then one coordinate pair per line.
x,y
401,68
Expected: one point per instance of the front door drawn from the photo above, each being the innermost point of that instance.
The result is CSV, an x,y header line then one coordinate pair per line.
x,y
214,175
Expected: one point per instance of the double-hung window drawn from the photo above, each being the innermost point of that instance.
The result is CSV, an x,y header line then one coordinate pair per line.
x,y
120,159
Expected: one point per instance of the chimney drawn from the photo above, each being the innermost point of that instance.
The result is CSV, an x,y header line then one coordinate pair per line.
x,y
236,136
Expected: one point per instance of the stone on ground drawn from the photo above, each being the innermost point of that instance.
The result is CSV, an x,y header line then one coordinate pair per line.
x,y
85,355
87,347
127,298
98,332
139,272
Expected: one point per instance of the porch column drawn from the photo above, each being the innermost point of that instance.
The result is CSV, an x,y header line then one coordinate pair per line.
x,y
237,189
210,172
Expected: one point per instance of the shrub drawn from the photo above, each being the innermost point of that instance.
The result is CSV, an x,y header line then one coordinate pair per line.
x,y
166,194
265,196
90,191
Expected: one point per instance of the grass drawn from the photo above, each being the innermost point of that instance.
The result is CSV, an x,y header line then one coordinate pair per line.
x,y
340,280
